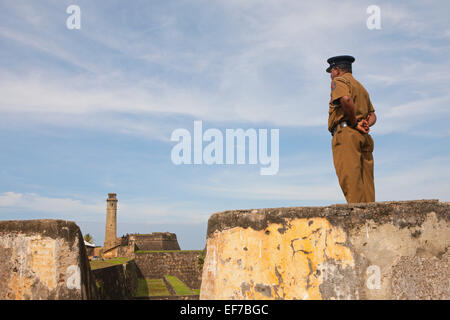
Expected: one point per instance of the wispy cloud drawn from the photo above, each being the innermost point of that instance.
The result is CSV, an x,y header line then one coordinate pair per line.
x,y
244,83
310,182
36,203
429,179
129,211
405,117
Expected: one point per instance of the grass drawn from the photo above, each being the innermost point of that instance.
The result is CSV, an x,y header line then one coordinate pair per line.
x,y
151,287
97,264
180,288
150,251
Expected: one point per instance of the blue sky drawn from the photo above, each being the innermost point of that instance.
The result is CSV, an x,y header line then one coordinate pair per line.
x,y
91,111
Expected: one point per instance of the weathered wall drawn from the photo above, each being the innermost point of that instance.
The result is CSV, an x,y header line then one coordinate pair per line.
x,y
155,241
97,251
119,251
90,251
44,259
117,282
391,250
182,264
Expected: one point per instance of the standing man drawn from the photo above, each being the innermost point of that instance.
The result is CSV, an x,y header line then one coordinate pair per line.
x,y
350,117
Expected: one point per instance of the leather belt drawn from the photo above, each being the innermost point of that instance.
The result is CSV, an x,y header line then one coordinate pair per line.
x,y
341,124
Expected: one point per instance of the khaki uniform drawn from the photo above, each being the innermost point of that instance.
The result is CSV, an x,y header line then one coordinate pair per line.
x,y
352,150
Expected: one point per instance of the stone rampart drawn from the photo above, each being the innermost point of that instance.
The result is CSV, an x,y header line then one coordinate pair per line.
x,y
182,264
155,241
117,282
44,259
386,250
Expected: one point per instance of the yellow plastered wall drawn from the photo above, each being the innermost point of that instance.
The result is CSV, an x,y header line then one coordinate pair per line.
x,y
278,262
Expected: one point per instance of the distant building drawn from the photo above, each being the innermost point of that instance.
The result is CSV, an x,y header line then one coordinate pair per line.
x,y
89,248
88,244
128,244
155,241
111,222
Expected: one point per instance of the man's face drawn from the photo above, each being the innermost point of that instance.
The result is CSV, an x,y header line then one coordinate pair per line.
x,y
334,73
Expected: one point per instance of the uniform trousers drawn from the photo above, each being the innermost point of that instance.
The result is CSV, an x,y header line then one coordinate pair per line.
x,y
353,161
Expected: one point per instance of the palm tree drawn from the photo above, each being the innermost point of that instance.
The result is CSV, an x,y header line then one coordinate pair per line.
x,y
88,238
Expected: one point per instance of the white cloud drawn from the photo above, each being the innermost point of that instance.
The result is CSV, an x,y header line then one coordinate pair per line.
x,y
49,46
293,184
261,35
404,117
419,180
128,211
317,182
429,179
278,191
35,203
266,66
10,199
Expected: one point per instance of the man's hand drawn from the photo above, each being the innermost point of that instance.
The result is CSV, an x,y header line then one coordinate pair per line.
x,y
371,119
363,126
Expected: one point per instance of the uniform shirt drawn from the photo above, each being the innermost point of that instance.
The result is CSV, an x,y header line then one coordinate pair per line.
x,y
346,85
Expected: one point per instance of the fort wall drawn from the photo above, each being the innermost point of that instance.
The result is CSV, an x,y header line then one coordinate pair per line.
x,y
155,241
182,264
384,250
44,259
117,282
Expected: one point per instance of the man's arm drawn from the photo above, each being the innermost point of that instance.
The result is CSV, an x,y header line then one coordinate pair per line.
x,y
340,94
348,106
349,109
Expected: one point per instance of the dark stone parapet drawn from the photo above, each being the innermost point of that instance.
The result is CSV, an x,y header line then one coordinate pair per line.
x,y
400,213
155,241
54,229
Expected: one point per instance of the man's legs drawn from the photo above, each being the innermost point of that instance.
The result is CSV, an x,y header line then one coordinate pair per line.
x,y
346,147
367,169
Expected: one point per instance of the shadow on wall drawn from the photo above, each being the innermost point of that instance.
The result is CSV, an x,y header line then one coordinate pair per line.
x,y
124,281
119,282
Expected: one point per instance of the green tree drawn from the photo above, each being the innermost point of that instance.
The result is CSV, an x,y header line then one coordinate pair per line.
x,y
88,238
201,258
